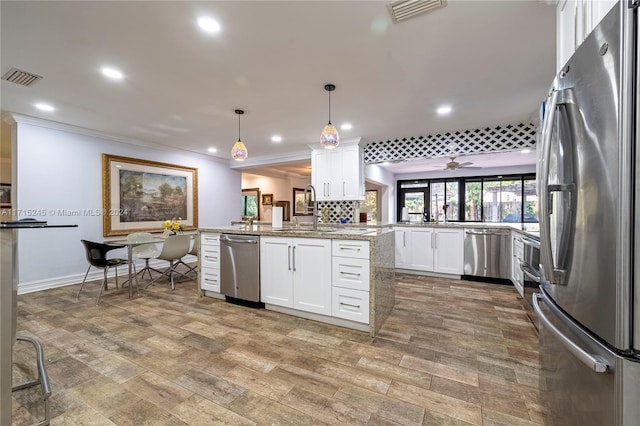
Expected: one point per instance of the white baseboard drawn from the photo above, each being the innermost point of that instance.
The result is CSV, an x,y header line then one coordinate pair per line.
x,y
94,274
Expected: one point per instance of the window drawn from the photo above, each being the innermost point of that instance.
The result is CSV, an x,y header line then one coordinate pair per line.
x,y
474,199
370,204
250,203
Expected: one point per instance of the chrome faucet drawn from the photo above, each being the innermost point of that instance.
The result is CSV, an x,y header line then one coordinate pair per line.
x,y
315,205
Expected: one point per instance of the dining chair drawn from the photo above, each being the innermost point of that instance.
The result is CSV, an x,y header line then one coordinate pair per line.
x,y
175,247
144,251
192,252
97,257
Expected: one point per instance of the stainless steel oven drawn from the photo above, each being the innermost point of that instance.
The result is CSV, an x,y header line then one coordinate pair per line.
x,y
530,266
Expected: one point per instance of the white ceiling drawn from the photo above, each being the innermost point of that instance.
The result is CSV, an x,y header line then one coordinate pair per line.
x,y
492,61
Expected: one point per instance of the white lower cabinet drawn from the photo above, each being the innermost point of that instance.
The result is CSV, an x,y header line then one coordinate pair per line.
x,y
209,258
296,273
350,304
448,251
429,249
350,280
414,248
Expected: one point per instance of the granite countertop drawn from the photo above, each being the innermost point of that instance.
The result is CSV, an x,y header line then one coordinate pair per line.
x,y
363,231
324,231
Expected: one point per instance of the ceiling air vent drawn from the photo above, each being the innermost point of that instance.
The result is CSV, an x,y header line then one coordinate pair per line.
x,y
402,10
20,77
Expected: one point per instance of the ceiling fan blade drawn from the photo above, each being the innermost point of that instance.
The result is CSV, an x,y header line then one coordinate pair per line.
x,y
464,164
472,168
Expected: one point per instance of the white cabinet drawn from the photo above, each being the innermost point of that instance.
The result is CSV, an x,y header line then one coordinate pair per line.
x,y
296,273
209,258
517,251
448,254
351,280
338,174
430,249
575,19
414,248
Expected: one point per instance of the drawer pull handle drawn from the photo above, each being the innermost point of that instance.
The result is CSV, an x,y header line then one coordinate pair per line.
x,y
211,259
349,304
349,273
352,248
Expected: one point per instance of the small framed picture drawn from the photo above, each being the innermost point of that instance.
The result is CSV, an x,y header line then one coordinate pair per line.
x,y
5,195
267,199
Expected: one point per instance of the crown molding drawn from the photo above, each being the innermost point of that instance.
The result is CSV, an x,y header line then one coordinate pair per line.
x,y
270,160
13,118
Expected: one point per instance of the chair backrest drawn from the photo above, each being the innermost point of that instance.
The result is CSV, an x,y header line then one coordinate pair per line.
x,y
194,248
97,252
175,247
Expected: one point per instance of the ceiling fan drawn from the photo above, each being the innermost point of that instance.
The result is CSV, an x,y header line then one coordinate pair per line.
x,y
454,165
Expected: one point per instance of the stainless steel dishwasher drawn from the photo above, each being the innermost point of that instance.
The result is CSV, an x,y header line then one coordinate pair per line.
x,y
240,267
487,253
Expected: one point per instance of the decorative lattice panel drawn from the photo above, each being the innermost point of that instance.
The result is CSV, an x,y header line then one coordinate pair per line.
x,y
490,139
339,209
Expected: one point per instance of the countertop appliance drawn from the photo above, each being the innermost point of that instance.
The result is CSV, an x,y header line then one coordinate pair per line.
x,y
588,304
240,267
487,253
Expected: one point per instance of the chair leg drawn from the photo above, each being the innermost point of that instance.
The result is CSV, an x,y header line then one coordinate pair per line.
x,y
116,268
83,281
103,286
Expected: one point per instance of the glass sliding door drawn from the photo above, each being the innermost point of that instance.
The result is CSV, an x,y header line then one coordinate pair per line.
x,y
511,200
473,201
413,195
530,201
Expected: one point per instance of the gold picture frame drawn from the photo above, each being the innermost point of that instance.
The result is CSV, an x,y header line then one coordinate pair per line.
x,y
139,195
267,199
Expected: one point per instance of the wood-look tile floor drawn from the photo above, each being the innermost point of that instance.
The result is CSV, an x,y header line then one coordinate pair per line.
x,y
451,353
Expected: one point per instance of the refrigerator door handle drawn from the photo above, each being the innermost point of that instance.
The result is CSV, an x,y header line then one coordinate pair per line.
x,y
557,274
586,358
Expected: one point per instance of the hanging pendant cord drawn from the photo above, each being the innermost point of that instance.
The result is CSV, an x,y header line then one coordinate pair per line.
x,y
329,107
238,126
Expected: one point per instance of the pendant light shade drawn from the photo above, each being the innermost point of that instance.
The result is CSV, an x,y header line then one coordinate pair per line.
x,y
239,151
329,138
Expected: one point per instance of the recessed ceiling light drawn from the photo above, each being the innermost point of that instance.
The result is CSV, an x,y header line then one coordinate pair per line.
x,y
212,150
276,138
444,110
525,151
346,126
112,73
209,25
44,107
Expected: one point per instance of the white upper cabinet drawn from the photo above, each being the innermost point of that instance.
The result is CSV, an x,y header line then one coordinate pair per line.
x,y
575,19
338,174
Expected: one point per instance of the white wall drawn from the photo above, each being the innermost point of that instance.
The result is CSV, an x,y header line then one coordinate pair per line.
x,y
387,181
61,169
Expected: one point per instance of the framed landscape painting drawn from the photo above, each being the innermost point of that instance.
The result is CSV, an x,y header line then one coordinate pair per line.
x,y
5,195
139,195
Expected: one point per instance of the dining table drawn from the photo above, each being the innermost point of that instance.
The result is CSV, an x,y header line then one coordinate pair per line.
x,y
130,245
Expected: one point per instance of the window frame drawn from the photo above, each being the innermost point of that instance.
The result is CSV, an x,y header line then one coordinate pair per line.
x,y
462,193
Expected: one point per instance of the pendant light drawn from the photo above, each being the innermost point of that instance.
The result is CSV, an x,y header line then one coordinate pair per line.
x,y
329,137
239,151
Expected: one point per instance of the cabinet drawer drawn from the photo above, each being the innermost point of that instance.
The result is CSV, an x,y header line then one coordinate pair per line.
x,y
210,257
350,272
348,248
210,279
209,239
350,304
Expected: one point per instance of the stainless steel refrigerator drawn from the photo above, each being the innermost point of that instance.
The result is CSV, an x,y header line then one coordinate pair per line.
x,y
588,304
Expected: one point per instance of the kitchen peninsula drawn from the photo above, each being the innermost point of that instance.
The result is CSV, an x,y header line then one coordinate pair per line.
x,y
338,275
